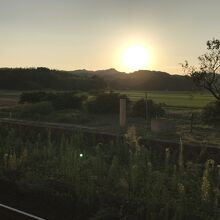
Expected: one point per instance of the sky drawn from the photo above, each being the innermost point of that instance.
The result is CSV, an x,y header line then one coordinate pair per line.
x,y
92,34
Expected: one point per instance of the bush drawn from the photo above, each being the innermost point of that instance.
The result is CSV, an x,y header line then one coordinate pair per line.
x,y
32,97
211,113
154,110
95,92
69,117
67,101
106,103
41,108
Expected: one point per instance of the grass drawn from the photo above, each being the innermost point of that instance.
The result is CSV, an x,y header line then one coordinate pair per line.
x,y
114,180
9,98
7,94
172,98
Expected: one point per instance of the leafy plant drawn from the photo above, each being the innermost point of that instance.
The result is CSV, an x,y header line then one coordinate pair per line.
x,y
60,100
67,101
211,113
32,97
141,108
114,180
31,110
106,103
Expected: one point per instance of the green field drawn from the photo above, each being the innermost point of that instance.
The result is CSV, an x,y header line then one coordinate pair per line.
x,y
170,98
173,98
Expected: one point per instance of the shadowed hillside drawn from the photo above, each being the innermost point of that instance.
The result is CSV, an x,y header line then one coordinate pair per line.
x,y
44,78
141,80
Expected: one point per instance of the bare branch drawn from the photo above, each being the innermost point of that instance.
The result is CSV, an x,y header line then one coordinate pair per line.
x,y
207,76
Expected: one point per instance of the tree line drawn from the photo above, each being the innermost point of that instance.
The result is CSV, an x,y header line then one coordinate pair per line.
x,y
44,78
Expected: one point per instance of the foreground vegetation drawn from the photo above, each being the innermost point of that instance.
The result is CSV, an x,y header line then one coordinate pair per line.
x,y
119,179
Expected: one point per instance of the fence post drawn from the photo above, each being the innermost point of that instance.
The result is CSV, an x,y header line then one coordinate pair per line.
x,y
122,112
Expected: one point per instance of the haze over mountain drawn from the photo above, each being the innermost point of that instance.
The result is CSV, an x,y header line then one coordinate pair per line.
x,y
140,80
44,78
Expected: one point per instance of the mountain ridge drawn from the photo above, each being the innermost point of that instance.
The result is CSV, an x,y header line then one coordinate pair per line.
x,y
44,78
141,79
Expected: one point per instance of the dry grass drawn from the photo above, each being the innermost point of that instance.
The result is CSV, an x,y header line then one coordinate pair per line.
x,y
7,102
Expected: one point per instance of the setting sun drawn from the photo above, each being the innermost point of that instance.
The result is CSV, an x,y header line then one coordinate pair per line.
x,y
135,57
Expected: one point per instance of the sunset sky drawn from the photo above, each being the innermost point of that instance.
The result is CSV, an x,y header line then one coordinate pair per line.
x,y
93,34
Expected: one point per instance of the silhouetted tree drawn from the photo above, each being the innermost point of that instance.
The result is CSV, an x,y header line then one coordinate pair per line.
x,y
207,75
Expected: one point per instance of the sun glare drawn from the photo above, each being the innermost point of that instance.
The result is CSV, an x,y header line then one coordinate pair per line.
x,y
135,57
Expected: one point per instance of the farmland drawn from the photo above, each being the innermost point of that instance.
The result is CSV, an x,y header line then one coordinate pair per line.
x,y
179,107
173,99
170,98
9,98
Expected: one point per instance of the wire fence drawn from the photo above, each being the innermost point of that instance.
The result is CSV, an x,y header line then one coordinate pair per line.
x,y
9,213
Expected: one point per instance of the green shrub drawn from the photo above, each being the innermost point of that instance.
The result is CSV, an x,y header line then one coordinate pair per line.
x,y
73,117
67,101
154,110
41,108
95,92
106,103
32,97
211,113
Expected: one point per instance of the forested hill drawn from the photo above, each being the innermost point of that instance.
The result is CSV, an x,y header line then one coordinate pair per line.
x,y
141,80
44,78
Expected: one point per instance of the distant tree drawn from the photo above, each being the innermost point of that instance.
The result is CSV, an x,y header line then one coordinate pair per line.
x,y
207,74
59,100
67,100
106,103
154,109
43,78
32,97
